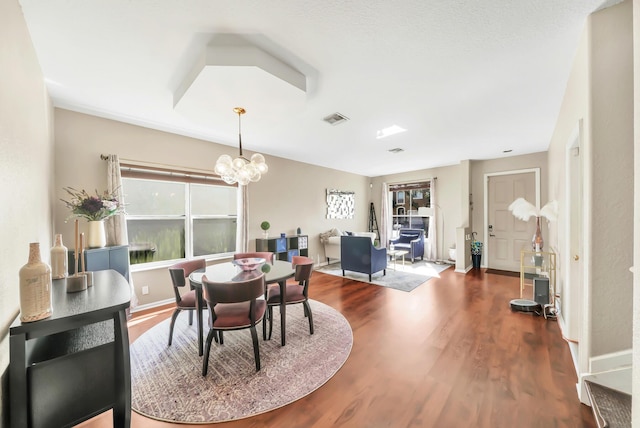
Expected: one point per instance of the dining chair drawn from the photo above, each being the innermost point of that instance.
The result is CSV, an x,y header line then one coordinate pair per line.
x,y
233,306
184,301
268,256
297,291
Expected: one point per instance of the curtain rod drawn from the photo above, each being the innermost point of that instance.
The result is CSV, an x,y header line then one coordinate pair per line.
x,y
161,166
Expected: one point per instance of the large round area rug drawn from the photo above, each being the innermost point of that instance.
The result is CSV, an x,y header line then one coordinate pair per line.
x,y
167,382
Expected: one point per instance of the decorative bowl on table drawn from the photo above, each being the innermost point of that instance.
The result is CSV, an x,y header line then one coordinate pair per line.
x,y
249,263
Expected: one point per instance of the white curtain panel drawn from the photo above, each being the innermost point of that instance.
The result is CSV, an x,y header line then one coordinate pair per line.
x,y
116,225
242,227
432,239
385,216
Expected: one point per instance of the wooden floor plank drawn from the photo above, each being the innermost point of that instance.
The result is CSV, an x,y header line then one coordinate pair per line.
x,y
448,354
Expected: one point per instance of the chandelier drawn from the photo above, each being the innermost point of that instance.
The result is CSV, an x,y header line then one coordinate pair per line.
x,y
241,170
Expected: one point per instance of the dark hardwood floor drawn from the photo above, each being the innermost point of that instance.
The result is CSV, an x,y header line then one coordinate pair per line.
x,y
449,354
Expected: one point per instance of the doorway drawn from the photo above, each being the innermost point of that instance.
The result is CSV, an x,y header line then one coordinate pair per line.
x,y
506,236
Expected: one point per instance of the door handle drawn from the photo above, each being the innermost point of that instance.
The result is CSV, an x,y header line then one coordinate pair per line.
x,y
576,257
491,234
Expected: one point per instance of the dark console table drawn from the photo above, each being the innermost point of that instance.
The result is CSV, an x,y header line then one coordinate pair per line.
x,y
75,364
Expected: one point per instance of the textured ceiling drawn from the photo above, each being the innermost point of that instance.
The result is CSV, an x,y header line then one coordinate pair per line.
x,y
468,79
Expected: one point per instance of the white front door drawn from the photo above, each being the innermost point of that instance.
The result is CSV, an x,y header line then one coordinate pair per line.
x,y
506,234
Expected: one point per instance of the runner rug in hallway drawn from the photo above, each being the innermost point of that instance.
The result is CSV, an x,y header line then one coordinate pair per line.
x,y
167,382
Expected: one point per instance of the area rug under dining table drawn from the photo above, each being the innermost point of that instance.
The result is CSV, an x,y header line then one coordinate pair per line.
x,y
167,383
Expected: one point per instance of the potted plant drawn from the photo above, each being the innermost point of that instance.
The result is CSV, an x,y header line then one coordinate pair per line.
x,y
265,228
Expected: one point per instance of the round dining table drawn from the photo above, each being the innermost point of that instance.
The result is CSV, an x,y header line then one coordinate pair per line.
x,y
277,272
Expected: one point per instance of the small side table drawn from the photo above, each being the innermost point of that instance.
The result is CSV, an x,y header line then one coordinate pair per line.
x,y
394,254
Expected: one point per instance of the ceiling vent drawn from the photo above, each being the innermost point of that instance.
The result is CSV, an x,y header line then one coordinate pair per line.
x,y
396,150
335,118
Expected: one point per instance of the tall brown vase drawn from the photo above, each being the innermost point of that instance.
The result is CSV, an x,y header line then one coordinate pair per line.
x,y
537,242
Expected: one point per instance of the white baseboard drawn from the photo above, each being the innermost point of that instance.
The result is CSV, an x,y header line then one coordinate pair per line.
x,y
152,305
465,270
611,370
612,361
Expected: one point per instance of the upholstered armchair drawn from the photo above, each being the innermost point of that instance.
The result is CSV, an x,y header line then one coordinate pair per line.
x,y
358,254
411,240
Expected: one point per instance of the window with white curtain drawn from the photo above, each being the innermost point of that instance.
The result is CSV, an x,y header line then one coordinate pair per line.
x,y
411,205
174,215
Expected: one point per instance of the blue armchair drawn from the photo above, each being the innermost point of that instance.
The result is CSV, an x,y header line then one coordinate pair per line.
x,y
411,240
359,255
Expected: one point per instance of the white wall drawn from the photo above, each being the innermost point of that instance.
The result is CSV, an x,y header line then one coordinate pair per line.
x,y
290,195
25,168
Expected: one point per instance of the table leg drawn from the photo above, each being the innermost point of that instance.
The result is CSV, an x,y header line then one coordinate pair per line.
x,y
283,310
122,404
199,306
18,394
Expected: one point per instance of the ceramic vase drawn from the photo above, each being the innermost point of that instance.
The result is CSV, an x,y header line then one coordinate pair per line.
x,y
35,287
97,235
537,242
59,259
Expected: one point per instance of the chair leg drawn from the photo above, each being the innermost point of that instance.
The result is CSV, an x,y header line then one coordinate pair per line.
x,y
190,316
256,346
369,277
270,312
221,337
307,310
264,325
173,323
207,348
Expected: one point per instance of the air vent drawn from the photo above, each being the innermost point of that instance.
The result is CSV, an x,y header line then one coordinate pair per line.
x,y
396,150
335,118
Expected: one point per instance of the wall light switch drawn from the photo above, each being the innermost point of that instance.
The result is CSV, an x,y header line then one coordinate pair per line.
x,y
145,289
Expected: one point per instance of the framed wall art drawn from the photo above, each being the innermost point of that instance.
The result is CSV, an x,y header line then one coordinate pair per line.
x,y
340,204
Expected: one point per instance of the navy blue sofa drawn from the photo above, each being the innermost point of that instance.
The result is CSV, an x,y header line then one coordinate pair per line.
x,y
411,240
358,254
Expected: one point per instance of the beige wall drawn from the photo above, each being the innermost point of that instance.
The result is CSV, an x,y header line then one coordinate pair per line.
x,y
611,69
447,197
454,186
635,412
513,163
290,195
574,108
26,146
599,91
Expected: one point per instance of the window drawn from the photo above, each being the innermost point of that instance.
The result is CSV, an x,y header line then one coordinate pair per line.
x,y
176,216
411,205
